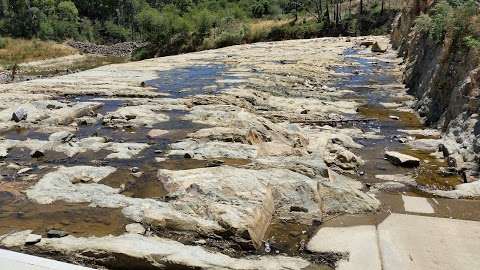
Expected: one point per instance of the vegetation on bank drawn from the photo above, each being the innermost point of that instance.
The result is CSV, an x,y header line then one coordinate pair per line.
x,y
189,25
15,51
457,20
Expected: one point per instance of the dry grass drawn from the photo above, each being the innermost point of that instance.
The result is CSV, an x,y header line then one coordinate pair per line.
x,y
259,28
20,51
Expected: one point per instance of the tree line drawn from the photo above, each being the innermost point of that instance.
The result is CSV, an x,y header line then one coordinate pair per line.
x,y
181,25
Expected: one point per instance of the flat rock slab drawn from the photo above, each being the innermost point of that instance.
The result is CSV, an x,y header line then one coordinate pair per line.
x,y
403,242
359,241
403,160
418,242
18,261
417,205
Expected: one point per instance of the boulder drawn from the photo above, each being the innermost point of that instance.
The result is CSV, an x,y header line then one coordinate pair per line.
x,y
243,199
402,160
340,194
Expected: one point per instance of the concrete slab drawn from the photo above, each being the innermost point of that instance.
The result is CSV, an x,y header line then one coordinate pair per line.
x,y
359,241
409,242
18,261
417,205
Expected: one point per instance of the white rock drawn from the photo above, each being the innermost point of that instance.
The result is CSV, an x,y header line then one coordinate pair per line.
x,y
159,252
33,239
59,186
135,228
155,133
417,205
403,160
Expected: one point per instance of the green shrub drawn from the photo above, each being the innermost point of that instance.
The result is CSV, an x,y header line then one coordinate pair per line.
x,y
472,42
3,43
423,23
116,32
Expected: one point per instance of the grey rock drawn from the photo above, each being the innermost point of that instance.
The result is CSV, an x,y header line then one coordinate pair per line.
x,y
37,154
403,160
56,233
62,136
19,115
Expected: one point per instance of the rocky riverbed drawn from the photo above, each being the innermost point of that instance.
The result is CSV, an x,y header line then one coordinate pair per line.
x,y
224,159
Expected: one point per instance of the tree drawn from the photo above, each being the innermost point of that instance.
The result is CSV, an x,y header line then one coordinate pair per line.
x,y
67,11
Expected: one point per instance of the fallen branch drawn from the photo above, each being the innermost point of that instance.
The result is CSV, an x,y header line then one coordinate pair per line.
x,y
331,122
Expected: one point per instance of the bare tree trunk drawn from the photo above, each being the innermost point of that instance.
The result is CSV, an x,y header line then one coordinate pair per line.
x,y
361,7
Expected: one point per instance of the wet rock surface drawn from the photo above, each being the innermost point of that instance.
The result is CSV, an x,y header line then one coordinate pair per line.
x,y
224,159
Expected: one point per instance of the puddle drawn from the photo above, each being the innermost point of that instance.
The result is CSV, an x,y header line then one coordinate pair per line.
x,y
428,174
180,163
18,213
146,185
23,133
194,80
290,238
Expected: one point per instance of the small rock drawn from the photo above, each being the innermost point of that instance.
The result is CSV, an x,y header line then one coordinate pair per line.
x,y
135,228
155,133
188,155
135,170
367,43
402,140
158,151
403,160
3,153
444,149
450,171
452,162
160,159
32,239
24,170
37,154
62,136
56,233
201,242
376,48
19,115
304,112
137,174
215,163
394,117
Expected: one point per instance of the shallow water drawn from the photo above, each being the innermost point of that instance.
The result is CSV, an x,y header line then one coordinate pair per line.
x,y
193,80
373,82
